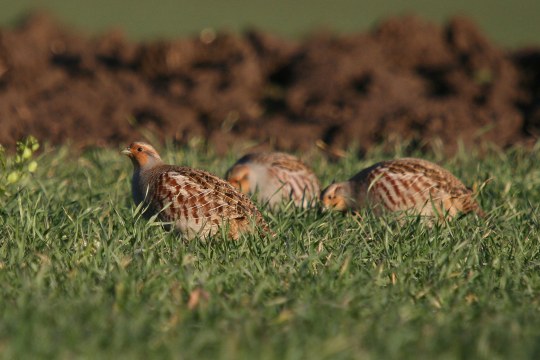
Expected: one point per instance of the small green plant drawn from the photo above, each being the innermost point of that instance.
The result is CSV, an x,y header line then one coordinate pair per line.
x,y
15,170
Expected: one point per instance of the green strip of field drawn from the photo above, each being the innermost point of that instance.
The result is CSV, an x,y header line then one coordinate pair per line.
x,y
83,276
509,23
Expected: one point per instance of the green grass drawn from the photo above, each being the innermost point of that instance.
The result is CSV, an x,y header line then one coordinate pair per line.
x,y
508,23
82,275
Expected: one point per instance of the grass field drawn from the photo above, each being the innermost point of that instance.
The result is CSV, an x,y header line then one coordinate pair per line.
x,y
509,23
82,275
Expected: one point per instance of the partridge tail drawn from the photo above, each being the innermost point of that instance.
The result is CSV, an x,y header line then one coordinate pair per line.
x,y
264,228
478,211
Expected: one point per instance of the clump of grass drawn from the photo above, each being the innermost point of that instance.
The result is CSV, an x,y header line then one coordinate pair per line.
x,y
83,275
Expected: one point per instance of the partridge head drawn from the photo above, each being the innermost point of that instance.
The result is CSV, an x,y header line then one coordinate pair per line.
x,y
400,185
275,177
194,201
337,196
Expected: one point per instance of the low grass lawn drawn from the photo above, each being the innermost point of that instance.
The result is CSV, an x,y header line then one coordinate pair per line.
x,y
83,275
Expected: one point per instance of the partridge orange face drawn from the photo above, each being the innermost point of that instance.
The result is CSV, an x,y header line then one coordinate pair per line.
x,y
238,176
141,154
334,197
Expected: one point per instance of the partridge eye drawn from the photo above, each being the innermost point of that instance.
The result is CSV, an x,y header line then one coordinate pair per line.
x,y
139,149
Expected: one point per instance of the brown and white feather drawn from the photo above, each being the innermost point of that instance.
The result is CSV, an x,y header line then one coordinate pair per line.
x,y
409,184
194,201
275,177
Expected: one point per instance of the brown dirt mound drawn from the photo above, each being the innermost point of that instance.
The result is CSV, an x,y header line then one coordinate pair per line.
x,y
407,77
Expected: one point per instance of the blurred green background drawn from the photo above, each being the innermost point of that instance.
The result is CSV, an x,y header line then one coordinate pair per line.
x,y
508,23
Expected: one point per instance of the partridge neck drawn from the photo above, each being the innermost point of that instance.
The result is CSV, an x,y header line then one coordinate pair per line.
x,y
148,165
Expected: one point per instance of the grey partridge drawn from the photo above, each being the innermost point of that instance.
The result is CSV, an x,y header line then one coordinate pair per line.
x,y
403,184
194,201
275,177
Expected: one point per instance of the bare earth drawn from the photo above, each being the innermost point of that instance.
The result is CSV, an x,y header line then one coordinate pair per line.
x,y
407,77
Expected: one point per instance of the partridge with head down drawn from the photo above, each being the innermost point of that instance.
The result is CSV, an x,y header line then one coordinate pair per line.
x,y
403,184
275,177
194,201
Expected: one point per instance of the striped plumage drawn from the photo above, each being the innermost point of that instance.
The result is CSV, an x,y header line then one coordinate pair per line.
x,y
275,177
194,201
403,184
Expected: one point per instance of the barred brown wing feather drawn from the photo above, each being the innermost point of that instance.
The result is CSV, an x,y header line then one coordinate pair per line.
x,y
414,183
397,190
298,183
201,200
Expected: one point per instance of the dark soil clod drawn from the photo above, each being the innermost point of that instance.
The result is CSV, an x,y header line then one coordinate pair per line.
x,y
407,77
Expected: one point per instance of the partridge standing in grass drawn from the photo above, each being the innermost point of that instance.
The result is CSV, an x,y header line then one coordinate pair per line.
x,y
403,184
275,177
194,201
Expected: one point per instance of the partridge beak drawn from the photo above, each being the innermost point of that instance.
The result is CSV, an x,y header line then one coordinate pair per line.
x,y
126,152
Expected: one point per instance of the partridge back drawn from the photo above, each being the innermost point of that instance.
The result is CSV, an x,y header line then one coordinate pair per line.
x,y
198,202
417,184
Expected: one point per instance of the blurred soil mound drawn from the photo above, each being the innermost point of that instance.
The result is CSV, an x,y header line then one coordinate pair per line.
x,y
407,77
